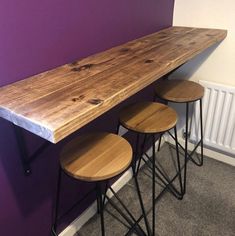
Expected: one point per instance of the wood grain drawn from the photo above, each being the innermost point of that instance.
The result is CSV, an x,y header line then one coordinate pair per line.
x,y
58,102
95,157
179,90
148,117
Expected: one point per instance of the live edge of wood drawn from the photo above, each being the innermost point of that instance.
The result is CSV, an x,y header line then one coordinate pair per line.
x,y
58,102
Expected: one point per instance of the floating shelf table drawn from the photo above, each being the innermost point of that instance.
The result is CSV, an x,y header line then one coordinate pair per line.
x,y
58,102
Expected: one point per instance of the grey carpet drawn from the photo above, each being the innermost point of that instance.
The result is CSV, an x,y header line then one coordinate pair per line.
x,y
208,207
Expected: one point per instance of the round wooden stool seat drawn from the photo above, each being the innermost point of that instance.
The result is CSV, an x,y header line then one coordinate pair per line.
x,y
95,157
148,117
179,90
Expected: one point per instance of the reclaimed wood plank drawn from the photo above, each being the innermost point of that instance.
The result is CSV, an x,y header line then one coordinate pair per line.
x,y
56,103
65,75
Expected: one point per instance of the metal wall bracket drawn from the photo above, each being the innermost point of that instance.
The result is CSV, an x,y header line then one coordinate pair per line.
x,y
26,159
166,76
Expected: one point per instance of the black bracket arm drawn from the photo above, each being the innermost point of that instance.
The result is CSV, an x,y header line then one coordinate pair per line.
x,y
171,72
26,160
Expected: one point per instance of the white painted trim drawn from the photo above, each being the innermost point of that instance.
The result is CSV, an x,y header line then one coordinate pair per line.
x,y
91,211
207,152
80,221
219,157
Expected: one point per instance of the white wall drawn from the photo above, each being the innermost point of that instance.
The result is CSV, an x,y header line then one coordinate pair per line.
x,y
216,64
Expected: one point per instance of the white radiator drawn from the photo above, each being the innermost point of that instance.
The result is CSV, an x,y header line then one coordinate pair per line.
x,y
218,118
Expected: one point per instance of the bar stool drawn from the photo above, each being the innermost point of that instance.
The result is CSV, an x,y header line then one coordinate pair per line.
x,y
97,158
183,91
152,119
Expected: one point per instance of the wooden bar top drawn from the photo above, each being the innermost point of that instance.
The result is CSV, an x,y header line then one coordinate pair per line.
x,y
58,102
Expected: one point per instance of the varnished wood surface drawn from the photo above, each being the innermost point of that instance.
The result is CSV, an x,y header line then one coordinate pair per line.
x,y
58,102
179,90
95,157
148,117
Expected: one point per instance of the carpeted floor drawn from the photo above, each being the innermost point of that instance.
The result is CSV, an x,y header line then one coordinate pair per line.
x,y
208,207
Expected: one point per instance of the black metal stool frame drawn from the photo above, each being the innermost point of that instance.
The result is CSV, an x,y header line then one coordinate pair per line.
x,y
169,186
133,224
188,156
166,181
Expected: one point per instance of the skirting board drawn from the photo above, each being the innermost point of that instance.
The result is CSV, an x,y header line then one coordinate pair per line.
x,y
91,211
207,152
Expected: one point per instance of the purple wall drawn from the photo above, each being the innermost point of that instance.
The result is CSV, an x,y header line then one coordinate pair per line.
x,y
36,36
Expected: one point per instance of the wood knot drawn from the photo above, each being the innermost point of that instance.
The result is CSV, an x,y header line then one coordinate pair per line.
x,y
78,98
148,61
95,101
210,35
84,67
124,50
87,66
76,69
